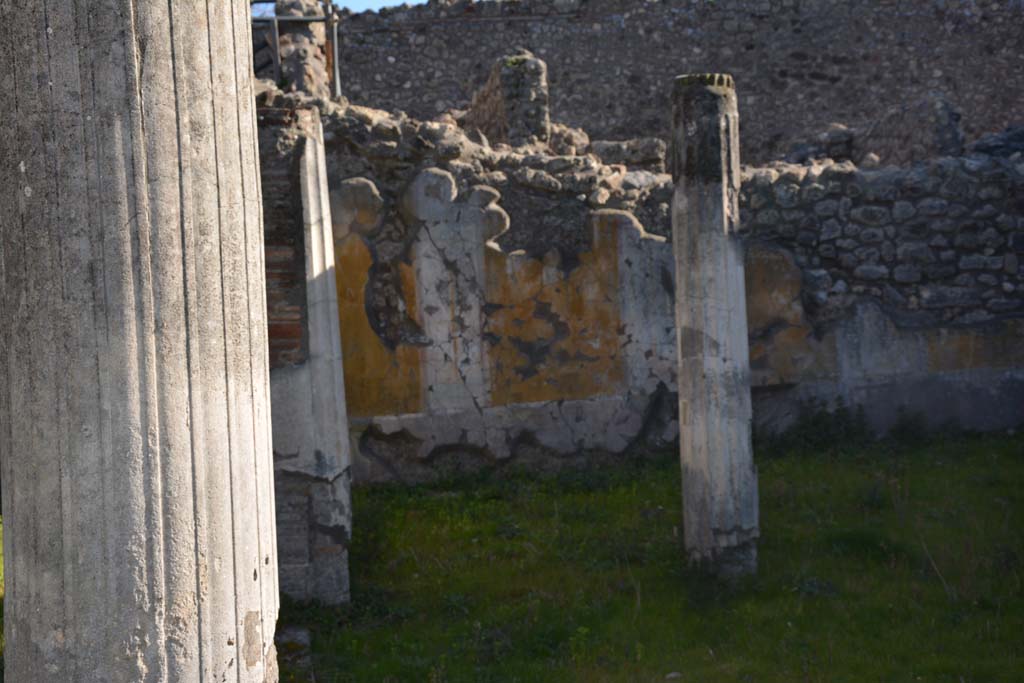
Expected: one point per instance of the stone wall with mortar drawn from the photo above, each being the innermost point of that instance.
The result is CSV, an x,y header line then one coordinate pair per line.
x,y
936,243
512,306
891,288
800,65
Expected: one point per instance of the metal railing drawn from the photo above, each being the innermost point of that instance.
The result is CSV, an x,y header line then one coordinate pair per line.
x,y
331,18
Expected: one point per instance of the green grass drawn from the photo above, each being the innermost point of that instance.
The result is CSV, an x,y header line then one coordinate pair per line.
x,y
882,563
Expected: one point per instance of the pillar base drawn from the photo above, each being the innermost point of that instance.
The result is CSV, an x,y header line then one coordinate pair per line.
x,y
730,563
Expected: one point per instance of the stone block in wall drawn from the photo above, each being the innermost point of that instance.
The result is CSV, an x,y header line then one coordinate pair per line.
x,y
566,140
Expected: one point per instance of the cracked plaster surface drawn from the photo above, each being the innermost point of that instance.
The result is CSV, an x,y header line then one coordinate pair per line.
x,y
472,297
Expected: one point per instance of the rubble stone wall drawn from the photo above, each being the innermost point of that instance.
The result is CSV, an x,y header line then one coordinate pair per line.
x,y
937,243
799,64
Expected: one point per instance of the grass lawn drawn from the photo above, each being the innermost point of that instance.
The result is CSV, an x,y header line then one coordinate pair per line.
x,y
882,563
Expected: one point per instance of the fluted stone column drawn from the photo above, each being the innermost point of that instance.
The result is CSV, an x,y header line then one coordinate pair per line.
x,y
720,514
134,420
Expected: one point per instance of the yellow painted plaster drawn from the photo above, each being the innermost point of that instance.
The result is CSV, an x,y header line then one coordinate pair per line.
x,y
378,380
570,322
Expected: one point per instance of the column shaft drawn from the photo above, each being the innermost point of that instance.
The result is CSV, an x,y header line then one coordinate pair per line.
x,y
134,403
719,480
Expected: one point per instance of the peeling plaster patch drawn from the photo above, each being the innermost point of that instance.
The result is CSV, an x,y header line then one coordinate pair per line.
x,y
253,645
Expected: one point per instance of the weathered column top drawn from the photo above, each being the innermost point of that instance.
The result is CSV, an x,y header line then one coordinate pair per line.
x,y
714,80
705,129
